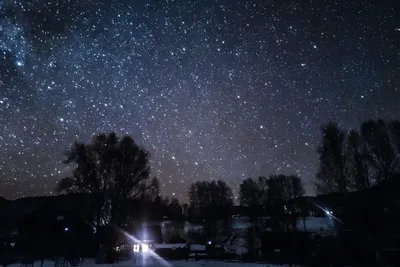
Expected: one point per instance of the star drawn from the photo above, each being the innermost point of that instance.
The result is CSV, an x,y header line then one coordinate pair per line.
x,y
208,90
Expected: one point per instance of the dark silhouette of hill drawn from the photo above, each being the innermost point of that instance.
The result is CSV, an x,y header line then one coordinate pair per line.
x,y
13,211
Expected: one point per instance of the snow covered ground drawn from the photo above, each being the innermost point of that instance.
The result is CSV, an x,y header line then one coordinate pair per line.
x,y
316,224
312,224
153,262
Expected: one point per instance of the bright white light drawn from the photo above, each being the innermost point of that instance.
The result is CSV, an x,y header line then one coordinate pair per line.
x,y
151,252
209,242
135,248
328,212
145,248
66,229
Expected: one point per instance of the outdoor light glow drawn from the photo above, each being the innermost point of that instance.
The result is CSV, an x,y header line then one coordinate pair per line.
x,y
151,252
145,248
209,242
328,212
135,248
66,229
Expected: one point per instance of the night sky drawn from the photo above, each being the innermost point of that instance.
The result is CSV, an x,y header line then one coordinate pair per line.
x,y
216,89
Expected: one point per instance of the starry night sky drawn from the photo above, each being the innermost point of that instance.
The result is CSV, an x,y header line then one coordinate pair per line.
x,y
216,89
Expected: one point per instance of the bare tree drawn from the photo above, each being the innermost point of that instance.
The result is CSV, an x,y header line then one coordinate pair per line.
x,y
381,153
111,170
282,189
356,162
252,195
211,201
395,133
331,174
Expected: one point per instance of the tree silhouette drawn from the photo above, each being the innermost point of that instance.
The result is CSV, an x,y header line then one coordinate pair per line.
x,y
152,190
395,132
356,162
210,201
331,174
253,195
282,189
175,210
381,154
110,169
250,193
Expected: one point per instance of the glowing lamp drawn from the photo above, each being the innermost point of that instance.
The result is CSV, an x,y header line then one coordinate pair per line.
x,y
145,248
329,212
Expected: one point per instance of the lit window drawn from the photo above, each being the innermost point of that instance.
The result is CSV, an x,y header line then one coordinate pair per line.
x,y
145,248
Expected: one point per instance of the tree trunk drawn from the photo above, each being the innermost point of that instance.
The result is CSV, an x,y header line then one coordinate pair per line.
x,y
208,223
294,221
254,238
304,224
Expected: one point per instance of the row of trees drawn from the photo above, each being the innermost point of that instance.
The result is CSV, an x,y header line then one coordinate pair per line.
x,y
116,170
348,161
274,191
359,159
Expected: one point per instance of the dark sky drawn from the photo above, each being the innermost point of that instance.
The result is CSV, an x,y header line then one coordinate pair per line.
x,y
216,89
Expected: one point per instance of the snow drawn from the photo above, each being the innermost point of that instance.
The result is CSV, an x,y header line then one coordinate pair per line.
x,y
241,222
197,247
221,264
180,245
236,246
193,247
316,224
153,262
193,227
313,224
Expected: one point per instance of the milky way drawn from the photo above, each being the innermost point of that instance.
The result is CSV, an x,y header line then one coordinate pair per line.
x,y
213,89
